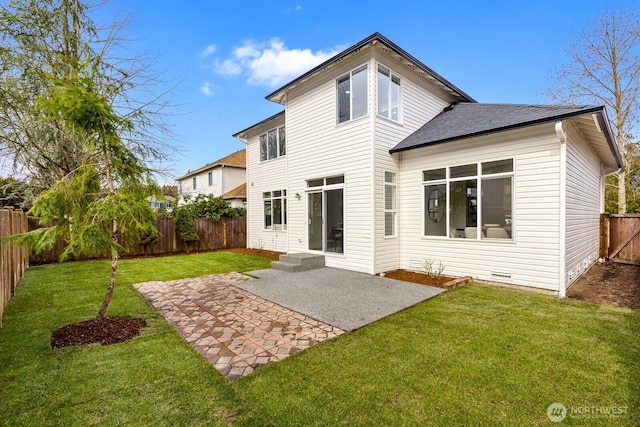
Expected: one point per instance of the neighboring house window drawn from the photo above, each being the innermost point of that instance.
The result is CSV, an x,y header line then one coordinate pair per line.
x,y
390,209
352,95
273,144
212,179
388,94
472,201
275,210
195,182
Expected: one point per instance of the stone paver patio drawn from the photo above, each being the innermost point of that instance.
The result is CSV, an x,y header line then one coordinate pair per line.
x,y
234,330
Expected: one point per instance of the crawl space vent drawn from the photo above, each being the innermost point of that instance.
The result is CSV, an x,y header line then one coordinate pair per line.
x,y
501,275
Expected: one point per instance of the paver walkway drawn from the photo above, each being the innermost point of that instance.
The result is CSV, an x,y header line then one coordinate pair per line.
x,y
234,330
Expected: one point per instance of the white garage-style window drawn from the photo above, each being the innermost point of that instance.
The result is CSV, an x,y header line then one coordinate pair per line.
x,y
273,144
275,209
472,201
388,94
390,209
352,95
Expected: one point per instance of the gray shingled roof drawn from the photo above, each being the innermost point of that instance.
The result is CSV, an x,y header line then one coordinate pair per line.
x,y
464,120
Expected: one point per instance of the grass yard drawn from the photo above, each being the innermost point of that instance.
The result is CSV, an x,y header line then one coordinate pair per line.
x,y
477,355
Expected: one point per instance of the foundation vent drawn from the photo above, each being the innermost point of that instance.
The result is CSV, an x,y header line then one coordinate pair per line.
x,y
501,275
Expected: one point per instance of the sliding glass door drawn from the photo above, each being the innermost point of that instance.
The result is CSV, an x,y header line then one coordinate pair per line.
x,y
325,211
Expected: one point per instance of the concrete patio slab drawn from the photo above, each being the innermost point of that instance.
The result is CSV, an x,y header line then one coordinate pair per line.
x,y
345,299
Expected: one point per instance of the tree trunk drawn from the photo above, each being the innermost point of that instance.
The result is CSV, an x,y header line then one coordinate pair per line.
x,y
114,270
622,193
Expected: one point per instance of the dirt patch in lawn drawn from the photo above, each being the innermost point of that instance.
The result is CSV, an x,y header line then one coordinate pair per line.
x,y
609,283
421,278
109,330
259,252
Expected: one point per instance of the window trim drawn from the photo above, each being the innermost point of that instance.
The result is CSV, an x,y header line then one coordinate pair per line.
x,y
281,147
394,210
478,177
391,76
283,209
349,75
210,178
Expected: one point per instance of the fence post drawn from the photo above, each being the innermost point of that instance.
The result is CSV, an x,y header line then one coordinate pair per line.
x,y
14,260
604,235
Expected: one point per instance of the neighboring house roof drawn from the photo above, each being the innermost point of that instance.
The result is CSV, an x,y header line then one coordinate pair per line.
x,y
378,40
237,159
465,120
240,192
242,133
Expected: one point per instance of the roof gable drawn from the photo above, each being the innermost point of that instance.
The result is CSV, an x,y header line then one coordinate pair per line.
x,y
377,40
237,159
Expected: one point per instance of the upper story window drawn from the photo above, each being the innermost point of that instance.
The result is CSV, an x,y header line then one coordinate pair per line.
x,y
388,94
212,178
195,182
273,144
352,95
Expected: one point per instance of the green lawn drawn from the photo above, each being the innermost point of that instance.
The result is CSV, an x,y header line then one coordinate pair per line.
x,y
477,355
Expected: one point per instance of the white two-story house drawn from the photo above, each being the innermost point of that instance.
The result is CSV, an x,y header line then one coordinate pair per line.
x,y
225,177
379,163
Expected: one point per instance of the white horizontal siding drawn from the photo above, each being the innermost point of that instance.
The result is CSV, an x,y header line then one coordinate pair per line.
x,y
583,205
265,176
317,147
419,105
532,258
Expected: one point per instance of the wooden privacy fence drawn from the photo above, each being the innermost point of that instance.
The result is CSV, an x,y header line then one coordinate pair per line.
x,y
14,260
620,237
223,234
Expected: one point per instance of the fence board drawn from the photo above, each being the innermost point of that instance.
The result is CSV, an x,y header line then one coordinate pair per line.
x,y
14,260
624,238
223,234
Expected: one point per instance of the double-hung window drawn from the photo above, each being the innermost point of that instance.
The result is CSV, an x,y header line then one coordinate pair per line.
x,y
194,182
211,177
275,209
273,144
472,201
388,94
390,209
352,95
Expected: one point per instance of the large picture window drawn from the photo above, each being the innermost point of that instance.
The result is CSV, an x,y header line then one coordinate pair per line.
x,y
388,94
472,201
352,95
275,209
273,144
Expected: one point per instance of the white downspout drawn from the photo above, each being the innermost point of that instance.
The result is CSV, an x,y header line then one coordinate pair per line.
x,y
562,137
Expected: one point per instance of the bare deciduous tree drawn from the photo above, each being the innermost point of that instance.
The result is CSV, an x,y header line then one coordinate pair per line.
x,y
603,67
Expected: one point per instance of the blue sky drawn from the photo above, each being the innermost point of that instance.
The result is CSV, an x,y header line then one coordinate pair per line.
x,y
223,57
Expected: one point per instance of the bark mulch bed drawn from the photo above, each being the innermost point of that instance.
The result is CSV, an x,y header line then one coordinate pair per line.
x,y
420,278
609,283
109,330
258,252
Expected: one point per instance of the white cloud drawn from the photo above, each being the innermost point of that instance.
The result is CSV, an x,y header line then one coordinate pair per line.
x,y
207,88
227,67
208,51
271,64
296,8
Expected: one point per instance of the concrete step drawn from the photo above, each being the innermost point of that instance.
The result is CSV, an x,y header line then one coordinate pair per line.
x,y
298,262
